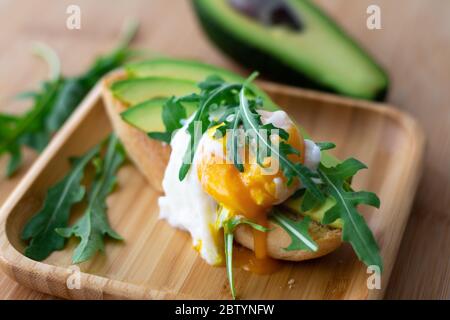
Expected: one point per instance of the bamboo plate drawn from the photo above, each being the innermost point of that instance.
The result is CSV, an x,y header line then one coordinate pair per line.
x,y
158,262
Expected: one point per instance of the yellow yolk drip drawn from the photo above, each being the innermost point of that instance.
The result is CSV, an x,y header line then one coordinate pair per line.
x,y
250,193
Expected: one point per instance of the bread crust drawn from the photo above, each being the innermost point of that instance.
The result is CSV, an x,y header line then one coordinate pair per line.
x,y
148,155
327,239
151,158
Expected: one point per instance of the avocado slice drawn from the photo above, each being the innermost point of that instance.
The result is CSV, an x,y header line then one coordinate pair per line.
x,y
316,214
146,116
313,53
135,90
188,69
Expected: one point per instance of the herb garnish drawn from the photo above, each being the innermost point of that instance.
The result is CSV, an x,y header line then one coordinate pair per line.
x,y
297,230
55,101
55,212
93,225
41,229
355,229
229,224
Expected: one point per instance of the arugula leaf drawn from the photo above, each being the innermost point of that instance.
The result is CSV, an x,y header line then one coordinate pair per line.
x,y
173,114
251,121
160,136
297,230
325,145
229,224
28,129
309,202
228,244
355,229
221,94
55,101
14,161
92,227
55,211
74,89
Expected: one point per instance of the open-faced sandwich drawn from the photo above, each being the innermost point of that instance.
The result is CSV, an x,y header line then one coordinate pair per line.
x,y
232,166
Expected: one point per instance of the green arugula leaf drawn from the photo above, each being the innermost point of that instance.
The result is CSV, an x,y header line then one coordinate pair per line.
x,y
161,136
297,230
14,161
173,114
28,129
309,202
55,101
325,145
211,82
229,224
228,244
251,121
355,229
221,94
40,230
92,227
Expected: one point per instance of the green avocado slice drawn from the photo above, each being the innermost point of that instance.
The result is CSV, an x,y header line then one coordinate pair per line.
x,y
319,55
136,90
146,116
195,71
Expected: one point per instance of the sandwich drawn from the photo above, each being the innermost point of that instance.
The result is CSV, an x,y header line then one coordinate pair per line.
x,y
235,170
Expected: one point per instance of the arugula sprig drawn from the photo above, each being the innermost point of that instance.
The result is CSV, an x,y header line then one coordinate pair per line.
x,y
252,121
215,92
55,101
297,230
229,224
92,227
355,229
60,199
41,230
173,116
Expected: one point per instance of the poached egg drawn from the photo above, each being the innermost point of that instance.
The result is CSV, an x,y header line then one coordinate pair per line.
x,y
191,204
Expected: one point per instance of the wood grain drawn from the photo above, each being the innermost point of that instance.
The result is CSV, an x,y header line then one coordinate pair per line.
x,y
158,261
413,45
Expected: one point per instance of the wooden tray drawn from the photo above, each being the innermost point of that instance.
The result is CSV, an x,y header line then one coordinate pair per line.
x,y
157,261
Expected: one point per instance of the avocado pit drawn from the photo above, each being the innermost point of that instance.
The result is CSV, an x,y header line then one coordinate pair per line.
x,y
269,12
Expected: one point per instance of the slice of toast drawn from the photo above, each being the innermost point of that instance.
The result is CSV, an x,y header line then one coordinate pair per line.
x,y
151,158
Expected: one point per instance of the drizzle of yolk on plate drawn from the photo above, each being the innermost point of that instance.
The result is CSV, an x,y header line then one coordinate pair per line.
x,y
249,193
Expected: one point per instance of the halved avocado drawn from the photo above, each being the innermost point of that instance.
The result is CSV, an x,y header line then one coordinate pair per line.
x,y
314,53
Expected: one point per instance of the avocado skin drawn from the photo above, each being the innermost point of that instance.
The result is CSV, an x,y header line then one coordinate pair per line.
x,y
269,66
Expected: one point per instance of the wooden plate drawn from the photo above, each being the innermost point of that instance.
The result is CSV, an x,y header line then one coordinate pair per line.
x,y
157,261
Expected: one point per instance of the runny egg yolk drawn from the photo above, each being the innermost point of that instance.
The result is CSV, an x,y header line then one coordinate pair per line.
x,y
253,192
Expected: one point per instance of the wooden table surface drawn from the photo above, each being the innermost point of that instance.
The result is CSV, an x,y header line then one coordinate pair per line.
x,y
413,45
